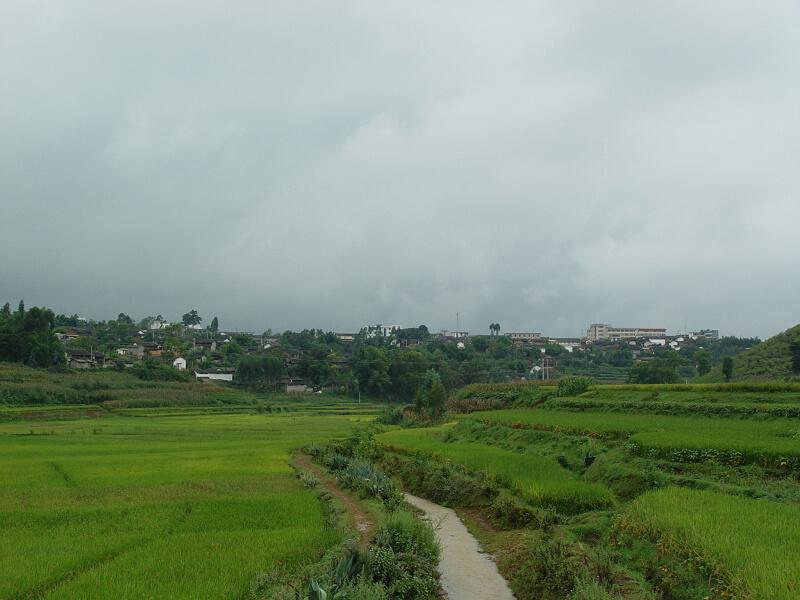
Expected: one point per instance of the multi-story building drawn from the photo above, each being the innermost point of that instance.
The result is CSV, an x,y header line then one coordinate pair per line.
x,y
709,334
524,336
604,331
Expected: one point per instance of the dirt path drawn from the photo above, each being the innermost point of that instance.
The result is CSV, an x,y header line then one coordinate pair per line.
x,y
466,572
361,522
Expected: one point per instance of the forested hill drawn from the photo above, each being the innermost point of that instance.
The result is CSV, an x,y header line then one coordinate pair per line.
x,y
775,358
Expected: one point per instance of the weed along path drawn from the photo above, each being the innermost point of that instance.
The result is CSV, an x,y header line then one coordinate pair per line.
x,y
361,522
466,572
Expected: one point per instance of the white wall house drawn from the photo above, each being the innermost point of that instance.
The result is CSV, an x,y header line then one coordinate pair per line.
x,y
214,375
179,363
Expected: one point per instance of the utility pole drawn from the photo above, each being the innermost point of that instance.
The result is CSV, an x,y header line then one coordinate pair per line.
x,y
458,327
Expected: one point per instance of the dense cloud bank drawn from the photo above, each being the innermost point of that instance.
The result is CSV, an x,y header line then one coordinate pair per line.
x,y
304,164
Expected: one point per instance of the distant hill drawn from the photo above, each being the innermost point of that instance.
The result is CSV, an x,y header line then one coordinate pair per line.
x,y
770,359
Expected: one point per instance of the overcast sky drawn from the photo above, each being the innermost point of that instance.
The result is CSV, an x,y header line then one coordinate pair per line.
x,y
330,164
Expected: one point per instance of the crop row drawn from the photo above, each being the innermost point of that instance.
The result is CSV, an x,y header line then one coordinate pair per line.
x,y
709,409
774,442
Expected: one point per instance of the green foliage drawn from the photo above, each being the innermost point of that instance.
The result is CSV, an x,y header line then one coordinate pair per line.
x,y
403,557
727,368
260,370
768,360
654,371
509,512
191,318
702,359
390,416
442,481
151,370
28,337
794,350
573,386
431,396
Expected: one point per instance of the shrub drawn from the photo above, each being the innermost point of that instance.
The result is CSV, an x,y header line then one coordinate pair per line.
x,y
574,386
509,512
371,481
404,556
390,416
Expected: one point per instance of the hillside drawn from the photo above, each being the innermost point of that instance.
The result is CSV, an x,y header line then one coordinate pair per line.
x,y
770,359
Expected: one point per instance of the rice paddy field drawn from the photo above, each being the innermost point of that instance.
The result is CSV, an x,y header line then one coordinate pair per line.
x,y
699,484
158,503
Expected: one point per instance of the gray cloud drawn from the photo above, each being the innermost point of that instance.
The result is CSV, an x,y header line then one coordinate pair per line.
x,y
304,164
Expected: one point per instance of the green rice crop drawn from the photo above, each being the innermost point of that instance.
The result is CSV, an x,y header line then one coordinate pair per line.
x,y
169,506
540,480
747,548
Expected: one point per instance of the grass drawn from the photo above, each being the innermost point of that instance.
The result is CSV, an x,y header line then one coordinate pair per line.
x,y
538,479
748,548
157,506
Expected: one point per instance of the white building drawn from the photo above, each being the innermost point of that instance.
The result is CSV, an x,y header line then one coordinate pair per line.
x,y
603,331
179,363
215,375
524,336
453,335
708,334
382,330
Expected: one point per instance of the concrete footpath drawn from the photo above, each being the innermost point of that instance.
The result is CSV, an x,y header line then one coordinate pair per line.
x,y
466,572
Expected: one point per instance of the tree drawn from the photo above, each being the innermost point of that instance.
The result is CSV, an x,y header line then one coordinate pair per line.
x,y
191,318
659,370
727,367
28,337
214,327
431,396
123,318
702,360
494,328
794,349
5,312
437,396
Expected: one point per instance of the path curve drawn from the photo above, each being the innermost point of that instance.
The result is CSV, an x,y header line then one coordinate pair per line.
x,y
466,572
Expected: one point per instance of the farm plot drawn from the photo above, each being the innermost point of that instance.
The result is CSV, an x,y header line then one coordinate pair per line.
x,y
538,479
770,442
157,507
747,548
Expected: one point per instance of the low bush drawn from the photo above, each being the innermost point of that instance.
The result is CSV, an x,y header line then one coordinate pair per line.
x,y
441,481
574,386
403,556
392,415
509,512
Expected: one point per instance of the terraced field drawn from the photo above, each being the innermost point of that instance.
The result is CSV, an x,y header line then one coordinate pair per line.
x,y
701,483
